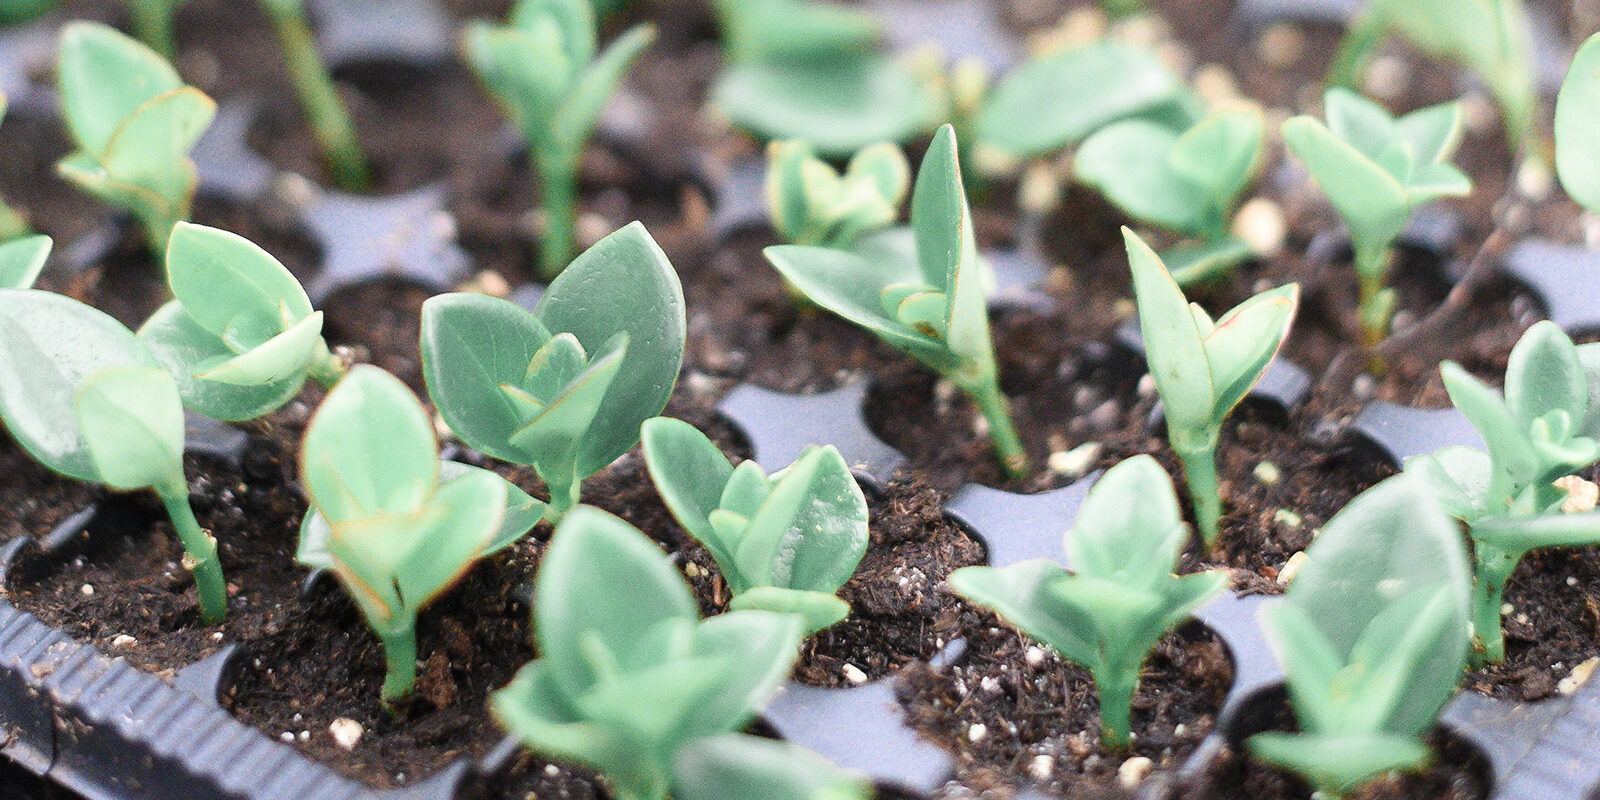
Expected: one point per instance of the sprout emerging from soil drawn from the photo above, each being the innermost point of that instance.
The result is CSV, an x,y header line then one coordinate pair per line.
x,y
812,204
1373,637
1202,368
1546,427
784,542
1577,119
1120,597
85,398
21,261
330,120
394,525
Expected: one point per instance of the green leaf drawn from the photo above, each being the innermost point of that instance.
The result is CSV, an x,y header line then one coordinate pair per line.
x,y
587,98
1510,449
104,78
1174,348
1369,199
761,647
1018,594
232,287
471,512
132,423
534,708
473,344
839,105
1459,477
573,19
1360,122
1433,132
811,531
1219,157
1129,527
1242,344
369,450
1577,119
738,767
522,510
1518,534
939,215
529,90
786,30
819,609
690,473
148,150
21,261
1122,161
1339,762
1543,374
181,345
554,436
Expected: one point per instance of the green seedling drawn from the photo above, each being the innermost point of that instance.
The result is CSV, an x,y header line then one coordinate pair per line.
x,y
563,389
394,526
627,674
784,542
152,23
133,121
931,305
1372,635
21,261
241,338
1121,597
13,12
812,204
12,225
735,766
543,70
1544,428
1186,182
85,398
1488,37
1577,118
1202,368
813,71
1376,169
324,110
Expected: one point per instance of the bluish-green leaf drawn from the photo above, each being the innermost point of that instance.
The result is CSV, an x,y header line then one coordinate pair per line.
x,y
132,423
369,449
21,261
1577,120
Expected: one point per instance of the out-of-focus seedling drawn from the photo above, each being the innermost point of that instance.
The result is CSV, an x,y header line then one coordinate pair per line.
x,y
1544,428
1577,119
16,11
735,766
627,674
133,121
21,261
152,23
563,389
327,114
395,527
85,398
543,70
812,204
1372,634
241,338
931,306
813,71
1121,596
12,225
1376,169
1489,37
784,542
1202,368
1186,182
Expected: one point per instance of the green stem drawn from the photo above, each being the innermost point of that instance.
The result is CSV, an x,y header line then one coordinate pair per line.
x,y
12,225
558,187
327,368
1360,42
1494,568
152,24
200,551
1116,706
565,490
1002,432
329,119
1200,470
400,663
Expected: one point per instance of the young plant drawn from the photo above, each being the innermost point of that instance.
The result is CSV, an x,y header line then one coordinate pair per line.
x,y
13,12
542,69
325,111
241,338
152,23
1376,169
1121,597
21,261
932,306
736,766
1190,186
395,526
1202,368
1577,118
81,394
133,121
1545,427
1372,635
627,674
812,204
12,225
784,542
1489,37
563,389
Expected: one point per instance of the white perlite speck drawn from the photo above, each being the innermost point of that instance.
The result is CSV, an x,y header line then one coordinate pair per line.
x,y
1133,770
1041,767
86,589
346,732
1582,495
977,732
1073,463
1291,567
123,640
853,674
1034,656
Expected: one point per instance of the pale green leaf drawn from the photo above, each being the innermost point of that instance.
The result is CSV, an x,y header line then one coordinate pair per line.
x,y
369,450
1174,349
230,285
21,260
181,345
132,422
1577,121
473,344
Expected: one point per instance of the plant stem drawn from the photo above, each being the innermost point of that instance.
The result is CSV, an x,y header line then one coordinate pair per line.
x,y
558,191
1494,568
565,489
152,24
1200,470
200,551
12,225
1002,432
1376,304
327,368
330,120
1115,688
400,663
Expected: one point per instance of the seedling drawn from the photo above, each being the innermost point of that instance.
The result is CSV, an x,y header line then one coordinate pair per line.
x,y
13,12
785,542
21,261
1121,597
931,307
1544,428
329,119
1188,182
241,338
1372,635
627,674
1202,369
1577,118
1489,37
542,69
812,204
1376,169
81,394
133,122
735,766
12,225
394,527
563,389
152,23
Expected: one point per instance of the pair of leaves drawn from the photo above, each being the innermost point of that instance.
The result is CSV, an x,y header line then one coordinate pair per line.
x,y
1577,118
811,204
565,388
784,542
1372,635
241,336
133,121
627,675
1120,598
21,261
